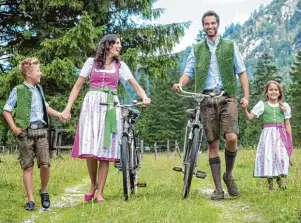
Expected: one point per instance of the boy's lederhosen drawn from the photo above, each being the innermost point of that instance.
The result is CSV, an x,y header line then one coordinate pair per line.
x,y
33,140
34,143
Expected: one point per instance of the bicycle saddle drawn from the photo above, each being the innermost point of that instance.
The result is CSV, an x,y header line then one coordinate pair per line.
x,y
191,111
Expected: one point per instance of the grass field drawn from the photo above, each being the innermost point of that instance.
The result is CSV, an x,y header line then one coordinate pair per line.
x,y
160,201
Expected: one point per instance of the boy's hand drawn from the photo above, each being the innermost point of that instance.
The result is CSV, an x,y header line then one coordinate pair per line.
x,y
17,131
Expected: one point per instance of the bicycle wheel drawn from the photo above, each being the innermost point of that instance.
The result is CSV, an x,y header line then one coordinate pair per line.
x,y
190,161
134,165
125,148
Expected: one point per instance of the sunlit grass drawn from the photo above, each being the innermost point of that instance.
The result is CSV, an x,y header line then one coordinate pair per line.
x,y
160,201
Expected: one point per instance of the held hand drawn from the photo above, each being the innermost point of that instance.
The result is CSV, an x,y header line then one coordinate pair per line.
x,y
176,87
244,103
65,116
146,101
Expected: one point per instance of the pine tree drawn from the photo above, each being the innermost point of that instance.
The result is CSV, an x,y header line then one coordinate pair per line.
x,y
294,98
165,118
63,33
201,36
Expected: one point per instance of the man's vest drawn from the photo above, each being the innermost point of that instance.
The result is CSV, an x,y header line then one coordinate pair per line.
x,y
24,96
225,56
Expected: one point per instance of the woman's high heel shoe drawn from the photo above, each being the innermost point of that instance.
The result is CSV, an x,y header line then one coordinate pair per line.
x,y
89,197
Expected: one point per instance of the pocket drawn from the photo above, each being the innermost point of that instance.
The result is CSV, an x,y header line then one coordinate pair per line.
x,y
233,100
22,134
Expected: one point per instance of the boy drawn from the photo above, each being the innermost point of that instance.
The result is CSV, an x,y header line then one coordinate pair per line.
x,y
29,125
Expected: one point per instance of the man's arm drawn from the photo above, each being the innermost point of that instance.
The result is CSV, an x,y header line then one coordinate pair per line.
x,y
188,72
245,88
240,70
183,81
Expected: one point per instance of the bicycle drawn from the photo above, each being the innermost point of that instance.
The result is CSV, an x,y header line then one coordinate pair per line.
x,y
130,157
193,138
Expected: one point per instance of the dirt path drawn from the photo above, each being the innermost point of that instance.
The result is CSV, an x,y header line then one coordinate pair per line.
x,y
234,211
71,197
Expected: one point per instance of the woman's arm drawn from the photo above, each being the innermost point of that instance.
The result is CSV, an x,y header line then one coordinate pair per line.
x,y
139,90
287,125
66,114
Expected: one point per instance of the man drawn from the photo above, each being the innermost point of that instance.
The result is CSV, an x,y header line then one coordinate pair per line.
x,y
214,63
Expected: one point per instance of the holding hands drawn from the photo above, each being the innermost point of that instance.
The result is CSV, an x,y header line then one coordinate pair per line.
x,y
244,103
65,116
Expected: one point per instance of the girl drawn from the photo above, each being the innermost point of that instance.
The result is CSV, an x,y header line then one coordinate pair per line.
x,y
97,136
275,143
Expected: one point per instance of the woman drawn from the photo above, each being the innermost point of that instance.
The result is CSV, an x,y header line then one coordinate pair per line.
x,y
97,136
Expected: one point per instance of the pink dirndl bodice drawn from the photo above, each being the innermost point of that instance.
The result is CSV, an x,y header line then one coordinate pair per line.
x,y
89,139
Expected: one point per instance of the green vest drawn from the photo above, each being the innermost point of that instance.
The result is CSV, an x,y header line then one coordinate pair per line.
x,y
24,96
225,55
272,115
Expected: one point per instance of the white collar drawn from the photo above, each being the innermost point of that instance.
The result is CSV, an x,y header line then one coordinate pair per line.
x,y
273,105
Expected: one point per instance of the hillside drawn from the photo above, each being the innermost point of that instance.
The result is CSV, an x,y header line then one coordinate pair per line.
x,y
275,29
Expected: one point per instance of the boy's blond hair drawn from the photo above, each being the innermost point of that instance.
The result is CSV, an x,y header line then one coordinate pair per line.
x,y
27,64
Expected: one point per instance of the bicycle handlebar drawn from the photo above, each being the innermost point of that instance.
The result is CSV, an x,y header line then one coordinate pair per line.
x,y
115,104
198,95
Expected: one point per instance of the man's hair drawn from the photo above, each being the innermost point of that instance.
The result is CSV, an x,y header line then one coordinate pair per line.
x,y
210,13
27,64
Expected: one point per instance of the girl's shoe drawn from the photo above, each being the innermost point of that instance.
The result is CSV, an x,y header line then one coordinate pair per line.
x,y
281,183
270,182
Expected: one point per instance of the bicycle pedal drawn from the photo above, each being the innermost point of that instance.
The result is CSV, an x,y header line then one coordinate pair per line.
x,y
201,172
117,165
201,175
141,185
178,169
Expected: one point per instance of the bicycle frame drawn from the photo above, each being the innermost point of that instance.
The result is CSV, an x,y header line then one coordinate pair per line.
x,y
194,129
130,115
129,161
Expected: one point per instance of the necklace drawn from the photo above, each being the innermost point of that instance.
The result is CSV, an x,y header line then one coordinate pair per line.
x,y
108,66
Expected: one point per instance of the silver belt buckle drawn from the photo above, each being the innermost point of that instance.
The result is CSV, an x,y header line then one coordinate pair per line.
x,y
34,126
216,92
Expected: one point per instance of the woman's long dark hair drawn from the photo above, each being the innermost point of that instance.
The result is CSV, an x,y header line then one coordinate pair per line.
x,y
103,49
